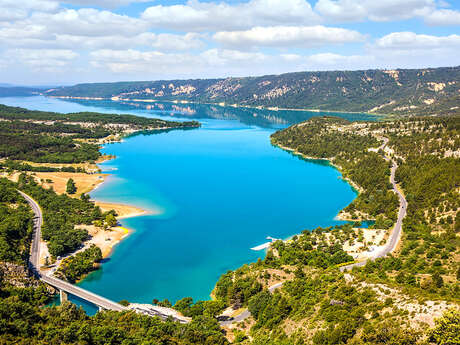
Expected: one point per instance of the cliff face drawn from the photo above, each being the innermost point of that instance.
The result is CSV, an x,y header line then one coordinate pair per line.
x,y
402,91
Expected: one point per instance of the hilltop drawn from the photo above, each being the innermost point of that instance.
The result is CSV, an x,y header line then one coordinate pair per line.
x,y
403,91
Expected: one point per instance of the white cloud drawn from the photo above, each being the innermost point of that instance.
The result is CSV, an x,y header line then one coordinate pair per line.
x,y
13,9
226,57
375,10
135,61
443,18
39,36
210,16
102,3
411,50
39,59
170,42
88,22
207,64
409,41
337,61
121,61
286,36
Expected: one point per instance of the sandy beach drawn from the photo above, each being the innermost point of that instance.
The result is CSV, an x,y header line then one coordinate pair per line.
x,y
85,183
124,211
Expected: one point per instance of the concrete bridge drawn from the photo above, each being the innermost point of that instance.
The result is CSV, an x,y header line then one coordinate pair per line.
x,y
64,287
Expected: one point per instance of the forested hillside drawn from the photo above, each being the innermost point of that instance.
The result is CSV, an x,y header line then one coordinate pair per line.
x,y
47,137
15,91
402,91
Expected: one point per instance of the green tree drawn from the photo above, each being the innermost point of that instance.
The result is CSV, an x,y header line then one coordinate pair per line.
x,y
447,329
71,187
111,220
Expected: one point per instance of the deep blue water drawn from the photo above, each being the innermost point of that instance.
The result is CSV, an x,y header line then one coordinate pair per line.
x,y
221,190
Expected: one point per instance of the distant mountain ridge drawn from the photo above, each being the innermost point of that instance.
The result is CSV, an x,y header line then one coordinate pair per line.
x,y
14,91
402,91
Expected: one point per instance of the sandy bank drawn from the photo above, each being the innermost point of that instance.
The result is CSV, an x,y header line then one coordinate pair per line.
x,y
85,183
105,239
125,211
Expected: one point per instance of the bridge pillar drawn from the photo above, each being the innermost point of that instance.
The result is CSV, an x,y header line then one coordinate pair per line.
x,y
63,296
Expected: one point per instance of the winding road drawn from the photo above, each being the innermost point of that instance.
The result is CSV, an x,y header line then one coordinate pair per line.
x,y
389,247
34,264
395,235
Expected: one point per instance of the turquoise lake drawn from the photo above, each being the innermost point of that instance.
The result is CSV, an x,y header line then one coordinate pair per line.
x,y
221,190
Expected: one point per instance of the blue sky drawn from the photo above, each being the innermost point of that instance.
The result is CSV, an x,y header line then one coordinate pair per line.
x,y
65,42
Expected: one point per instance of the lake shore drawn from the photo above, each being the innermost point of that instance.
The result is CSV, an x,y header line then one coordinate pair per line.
x,y
342,215
106,240
357,188
222,104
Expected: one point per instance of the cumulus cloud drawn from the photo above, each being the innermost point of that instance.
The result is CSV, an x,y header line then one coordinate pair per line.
x,y
120,61
172,42
39,36
411,50
443,18
13,10
210,16
410,41
41,58
286,36
87,22
102,3
209,63
328,60
376,10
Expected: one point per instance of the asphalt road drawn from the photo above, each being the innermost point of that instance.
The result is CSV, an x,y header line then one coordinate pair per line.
x,y
388,248
395,235
34,263
38,221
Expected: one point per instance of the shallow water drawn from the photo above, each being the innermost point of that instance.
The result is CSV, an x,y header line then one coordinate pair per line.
x,y
221,190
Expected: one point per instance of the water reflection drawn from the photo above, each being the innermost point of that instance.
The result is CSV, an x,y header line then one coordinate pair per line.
x,y
249,116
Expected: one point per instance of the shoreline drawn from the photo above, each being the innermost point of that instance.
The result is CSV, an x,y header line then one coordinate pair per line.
x,y
106,240
221,104
342,214
123,211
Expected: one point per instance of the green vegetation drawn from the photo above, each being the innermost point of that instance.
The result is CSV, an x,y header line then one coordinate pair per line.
x,y
61,215
403,91
47,137
19,143
15,224
23,320
72,120
75,267
71,188
447,330
202,308
348,149
15,91
10,166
